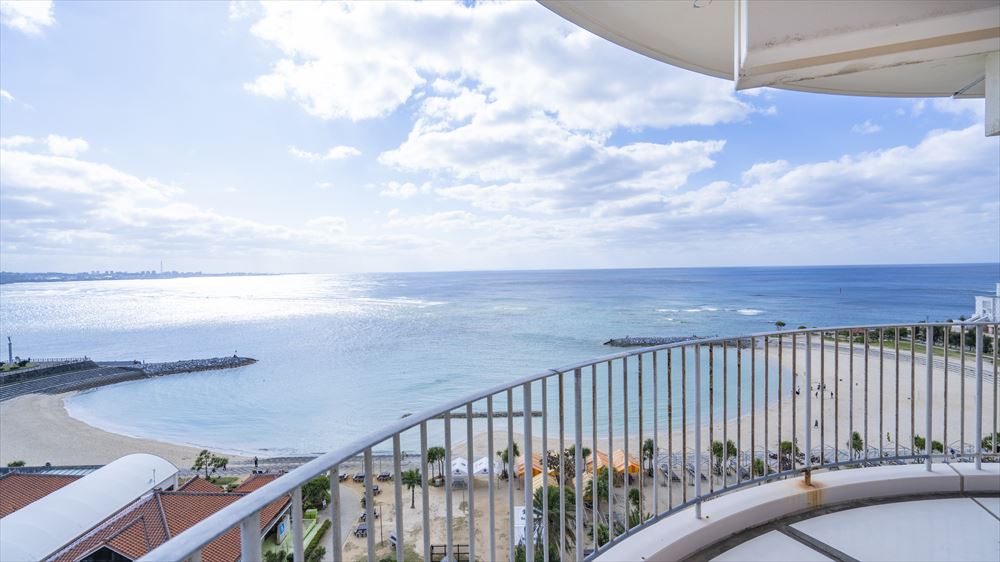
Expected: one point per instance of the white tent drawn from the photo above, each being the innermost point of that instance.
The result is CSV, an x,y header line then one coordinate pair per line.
x,y
459,469
482,467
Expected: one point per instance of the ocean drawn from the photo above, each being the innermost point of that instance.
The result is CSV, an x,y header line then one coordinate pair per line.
x,y
341,355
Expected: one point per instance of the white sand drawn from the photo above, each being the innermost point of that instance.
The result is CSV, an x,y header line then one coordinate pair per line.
x,y
36,428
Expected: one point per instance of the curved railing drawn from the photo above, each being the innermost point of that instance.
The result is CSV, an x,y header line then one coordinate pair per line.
x,y
678,424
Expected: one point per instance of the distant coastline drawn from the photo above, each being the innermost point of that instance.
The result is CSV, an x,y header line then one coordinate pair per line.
x,y
8,277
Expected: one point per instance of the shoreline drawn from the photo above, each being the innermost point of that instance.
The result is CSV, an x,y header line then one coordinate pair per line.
x,y
37,428
70,440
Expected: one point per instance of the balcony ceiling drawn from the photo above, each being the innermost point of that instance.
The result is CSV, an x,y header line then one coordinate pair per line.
x,y
858,47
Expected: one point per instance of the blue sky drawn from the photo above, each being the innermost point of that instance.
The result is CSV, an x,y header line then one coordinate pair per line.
x,y
399,137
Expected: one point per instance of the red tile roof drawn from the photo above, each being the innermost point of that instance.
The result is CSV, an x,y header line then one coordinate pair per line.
x,y
153,519
19,489
256,482
199,484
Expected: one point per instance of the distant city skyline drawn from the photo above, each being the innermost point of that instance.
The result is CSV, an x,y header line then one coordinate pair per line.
x,y
294,137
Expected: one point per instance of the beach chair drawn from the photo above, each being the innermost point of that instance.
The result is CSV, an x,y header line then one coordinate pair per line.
x,y
342,476
359,477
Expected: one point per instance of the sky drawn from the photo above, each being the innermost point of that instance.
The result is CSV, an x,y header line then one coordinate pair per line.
x,y
333,137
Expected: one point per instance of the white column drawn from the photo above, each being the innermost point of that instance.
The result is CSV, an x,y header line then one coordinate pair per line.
x,y
993,94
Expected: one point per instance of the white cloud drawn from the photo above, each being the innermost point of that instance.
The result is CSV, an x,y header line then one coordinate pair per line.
x,y
975,108
509,52
64,146
866,128
6,96
27,16
404,190
240,9
336,153
16,141
503,159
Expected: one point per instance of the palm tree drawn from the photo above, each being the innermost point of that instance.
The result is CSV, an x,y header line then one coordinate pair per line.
x,y
918,442
719,452
779,324
602,486
857,444
788,452
435,455
411,479
507,459
648,452
555,517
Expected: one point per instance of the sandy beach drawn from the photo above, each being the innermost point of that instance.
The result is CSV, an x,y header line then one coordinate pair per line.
x,y
37,429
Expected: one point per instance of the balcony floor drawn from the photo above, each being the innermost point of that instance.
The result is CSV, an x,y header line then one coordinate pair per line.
x,y
966,528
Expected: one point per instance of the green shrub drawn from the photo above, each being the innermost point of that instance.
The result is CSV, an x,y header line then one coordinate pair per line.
x,y
15,464
314,543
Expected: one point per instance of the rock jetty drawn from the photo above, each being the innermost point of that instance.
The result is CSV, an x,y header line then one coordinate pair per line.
x,y
192,365
629,341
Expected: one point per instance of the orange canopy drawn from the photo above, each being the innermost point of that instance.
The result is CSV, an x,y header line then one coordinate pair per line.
x,y
618,460
602,460
536,465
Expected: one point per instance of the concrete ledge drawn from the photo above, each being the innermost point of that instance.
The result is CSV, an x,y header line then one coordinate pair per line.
x,y
682,535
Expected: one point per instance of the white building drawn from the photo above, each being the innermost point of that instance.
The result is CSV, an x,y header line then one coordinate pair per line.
x,y
988,308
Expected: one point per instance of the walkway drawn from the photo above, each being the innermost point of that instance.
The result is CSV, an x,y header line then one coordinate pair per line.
x,y
966,528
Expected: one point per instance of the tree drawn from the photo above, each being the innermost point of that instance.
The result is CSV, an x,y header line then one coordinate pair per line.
x,y
990,444
555,516
919,443
856,444
206,460
779,324
758,467
19,463
602,486
571,451
788,453
507,456
937,446
202,462
411,479
316,493
720,451
648,453
435,455
603,534
275,556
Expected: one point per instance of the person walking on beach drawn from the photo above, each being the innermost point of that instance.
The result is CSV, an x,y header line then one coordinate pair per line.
x,y
255,462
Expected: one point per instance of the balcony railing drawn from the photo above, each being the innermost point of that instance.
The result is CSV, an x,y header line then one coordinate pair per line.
x,y
699,418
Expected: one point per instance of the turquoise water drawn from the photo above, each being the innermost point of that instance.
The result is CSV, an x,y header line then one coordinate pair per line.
x,y
341,355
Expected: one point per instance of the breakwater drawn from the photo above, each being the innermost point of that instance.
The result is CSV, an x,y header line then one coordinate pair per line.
x,y
192,365
88,374
629,341
478,415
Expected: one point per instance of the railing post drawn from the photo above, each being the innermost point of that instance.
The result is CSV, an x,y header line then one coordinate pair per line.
x,y
397,476
250,538
337,541
929,352
979,397
697,430
529,474
578,462
807,417
298,549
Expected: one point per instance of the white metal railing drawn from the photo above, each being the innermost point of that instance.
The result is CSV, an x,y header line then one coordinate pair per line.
x,y
752,400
